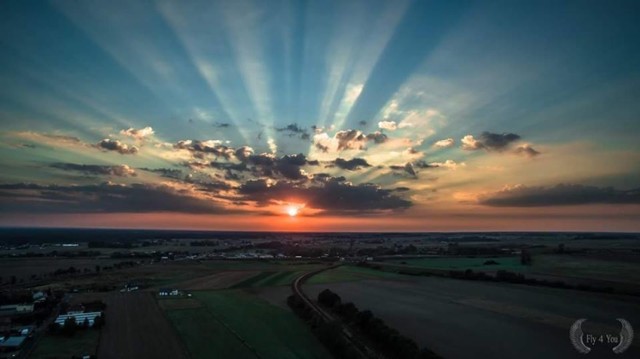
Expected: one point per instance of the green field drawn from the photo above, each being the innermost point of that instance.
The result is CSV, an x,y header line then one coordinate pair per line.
x,y
461,263
269,279
235,324
82,343
346,273
546,264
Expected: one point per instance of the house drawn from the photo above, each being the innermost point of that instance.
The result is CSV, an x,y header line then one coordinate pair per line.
x,y
168,292
39,297
80,318
12,343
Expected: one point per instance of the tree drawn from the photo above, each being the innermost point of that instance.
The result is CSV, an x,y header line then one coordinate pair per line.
x,y
328,298
70,326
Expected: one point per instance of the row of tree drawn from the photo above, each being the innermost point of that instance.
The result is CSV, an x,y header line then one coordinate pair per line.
x,y
386,339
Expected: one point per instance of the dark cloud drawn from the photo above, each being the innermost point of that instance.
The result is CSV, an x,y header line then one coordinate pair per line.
x,y
407,168
115,145
166,172
103,198
362,123
268,165
526,150
295,130
93,170
558,195
489,141
352,164
201,148
63,139
377,137
330,194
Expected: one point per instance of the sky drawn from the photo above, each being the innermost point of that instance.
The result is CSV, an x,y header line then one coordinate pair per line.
x,y
325,115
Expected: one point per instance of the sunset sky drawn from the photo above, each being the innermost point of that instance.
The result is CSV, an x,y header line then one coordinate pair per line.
x,y
357,115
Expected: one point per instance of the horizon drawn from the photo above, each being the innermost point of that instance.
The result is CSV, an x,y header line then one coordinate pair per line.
x,y
336,116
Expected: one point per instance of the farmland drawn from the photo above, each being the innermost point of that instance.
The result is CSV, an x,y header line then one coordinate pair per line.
x,y
491,319
244,325
136,328
82,343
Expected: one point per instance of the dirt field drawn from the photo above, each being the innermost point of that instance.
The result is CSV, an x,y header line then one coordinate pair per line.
x,y
137,328
464,319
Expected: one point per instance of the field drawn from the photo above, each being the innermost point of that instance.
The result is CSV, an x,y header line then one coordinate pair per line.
x,y
137,328
238,324
352,273
462,263
82,343
468,319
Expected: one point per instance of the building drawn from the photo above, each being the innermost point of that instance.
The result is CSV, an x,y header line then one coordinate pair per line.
x,y
80,318
39,297
168,292
12,343
16,308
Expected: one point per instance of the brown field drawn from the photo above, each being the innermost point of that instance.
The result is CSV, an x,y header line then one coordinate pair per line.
x,y
467,319
217,280
137,328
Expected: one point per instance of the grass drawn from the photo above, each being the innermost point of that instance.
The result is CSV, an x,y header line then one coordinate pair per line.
x,y
462,263
206,337
590,268
84,342
347,273
234,324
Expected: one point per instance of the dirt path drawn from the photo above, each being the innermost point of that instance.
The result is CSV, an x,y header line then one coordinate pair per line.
x,y
137,328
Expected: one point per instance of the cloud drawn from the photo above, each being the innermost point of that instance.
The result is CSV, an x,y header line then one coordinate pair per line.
x,y
450,164
103,198
408,168
526,150
489,141
166,172
138,134
295,130
115,145
347,140
329,194
272,145
352,164
91,170
201,148
558,195
267,165
388,125
445,143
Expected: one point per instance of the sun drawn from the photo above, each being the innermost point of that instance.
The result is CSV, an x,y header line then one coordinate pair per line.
x,y
292,211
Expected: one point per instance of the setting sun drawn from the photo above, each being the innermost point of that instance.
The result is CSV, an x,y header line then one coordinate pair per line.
x,y
292,211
